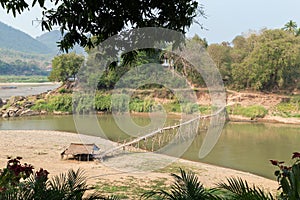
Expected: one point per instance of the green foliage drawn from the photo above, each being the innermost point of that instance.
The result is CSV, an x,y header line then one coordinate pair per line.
x,y
172,107
267,61
288,109
290,27
273,62
60,103
40,105
65,66
79,19
197,39
126,188
138,105
240,190
190,108
120,103
11,176
253,112
64,90
9,56
103,102
19,67
19,182
84,103
186,187
288,178
220,54
186,107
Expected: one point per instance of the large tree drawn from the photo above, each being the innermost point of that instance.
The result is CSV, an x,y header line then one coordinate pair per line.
x,y
220,54
290,26
80,19
65,66
272,63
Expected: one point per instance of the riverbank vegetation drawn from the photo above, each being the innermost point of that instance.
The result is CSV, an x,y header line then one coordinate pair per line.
x,y
253,112
105,101
289,108
265,62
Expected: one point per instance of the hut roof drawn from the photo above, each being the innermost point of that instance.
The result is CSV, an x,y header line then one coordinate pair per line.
x,y
79,148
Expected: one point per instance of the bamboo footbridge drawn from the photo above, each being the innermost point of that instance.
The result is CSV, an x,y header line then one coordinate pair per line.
x,y
161,132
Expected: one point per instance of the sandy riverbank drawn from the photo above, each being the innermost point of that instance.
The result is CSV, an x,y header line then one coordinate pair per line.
x,y
42,149
266,119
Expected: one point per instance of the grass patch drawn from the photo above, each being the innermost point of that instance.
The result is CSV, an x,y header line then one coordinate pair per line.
x,y
288,109
188,108
54,103
174,168
253,112
129,187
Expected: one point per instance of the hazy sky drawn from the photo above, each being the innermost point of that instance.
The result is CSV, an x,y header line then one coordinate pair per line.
x,y
225,19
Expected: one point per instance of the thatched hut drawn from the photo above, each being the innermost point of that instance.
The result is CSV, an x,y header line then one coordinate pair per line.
x,y
81,152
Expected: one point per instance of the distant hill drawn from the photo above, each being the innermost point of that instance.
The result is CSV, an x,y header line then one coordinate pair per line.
x,y
16,40
50,39
21,54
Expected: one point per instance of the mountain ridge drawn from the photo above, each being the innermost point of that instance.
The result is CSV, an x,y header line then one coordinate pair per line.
x,y
14,39
51,38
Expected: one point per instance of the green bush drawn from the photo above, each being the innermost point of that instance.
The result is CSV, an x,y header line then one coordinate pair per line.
x,y
120,103
103,102
288,178
20,182
172,107
288,109
60,103
83,103
40,104
139,105
64,90
205,109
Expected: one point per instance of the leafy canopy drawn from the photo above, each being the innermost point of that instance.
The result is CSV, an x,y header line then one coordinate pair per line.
x,y
79,20
65,66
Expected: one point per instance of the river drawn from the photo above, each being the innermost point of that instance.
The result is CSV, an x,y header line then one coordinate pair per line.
x,y
242,146
25,89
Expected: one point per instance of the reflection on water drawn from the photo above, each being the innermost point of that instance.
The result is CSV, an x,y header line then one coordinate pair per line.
x,y
243,146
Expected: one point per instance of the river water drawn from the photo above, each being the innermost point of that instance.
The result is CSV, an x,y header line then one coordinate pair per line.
x,y
242,146
25,89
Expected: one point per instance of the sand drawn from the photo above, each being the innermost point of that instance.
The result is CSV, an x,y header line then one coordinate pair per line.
x,y
42,149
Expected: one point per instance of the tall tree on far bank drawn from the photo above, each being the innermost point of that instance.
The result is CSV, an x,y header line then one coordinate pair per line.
x,y
220,54
290,27
65,66
272,64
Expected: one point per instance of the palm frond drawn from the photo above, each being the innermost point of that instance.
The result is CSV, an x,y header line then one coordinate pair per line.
x,y
33,188
70,185
240,190
186,186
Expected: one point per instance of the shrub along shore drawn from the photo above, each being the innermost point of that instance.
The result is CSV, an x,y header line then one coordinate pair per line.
x,y
243,106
